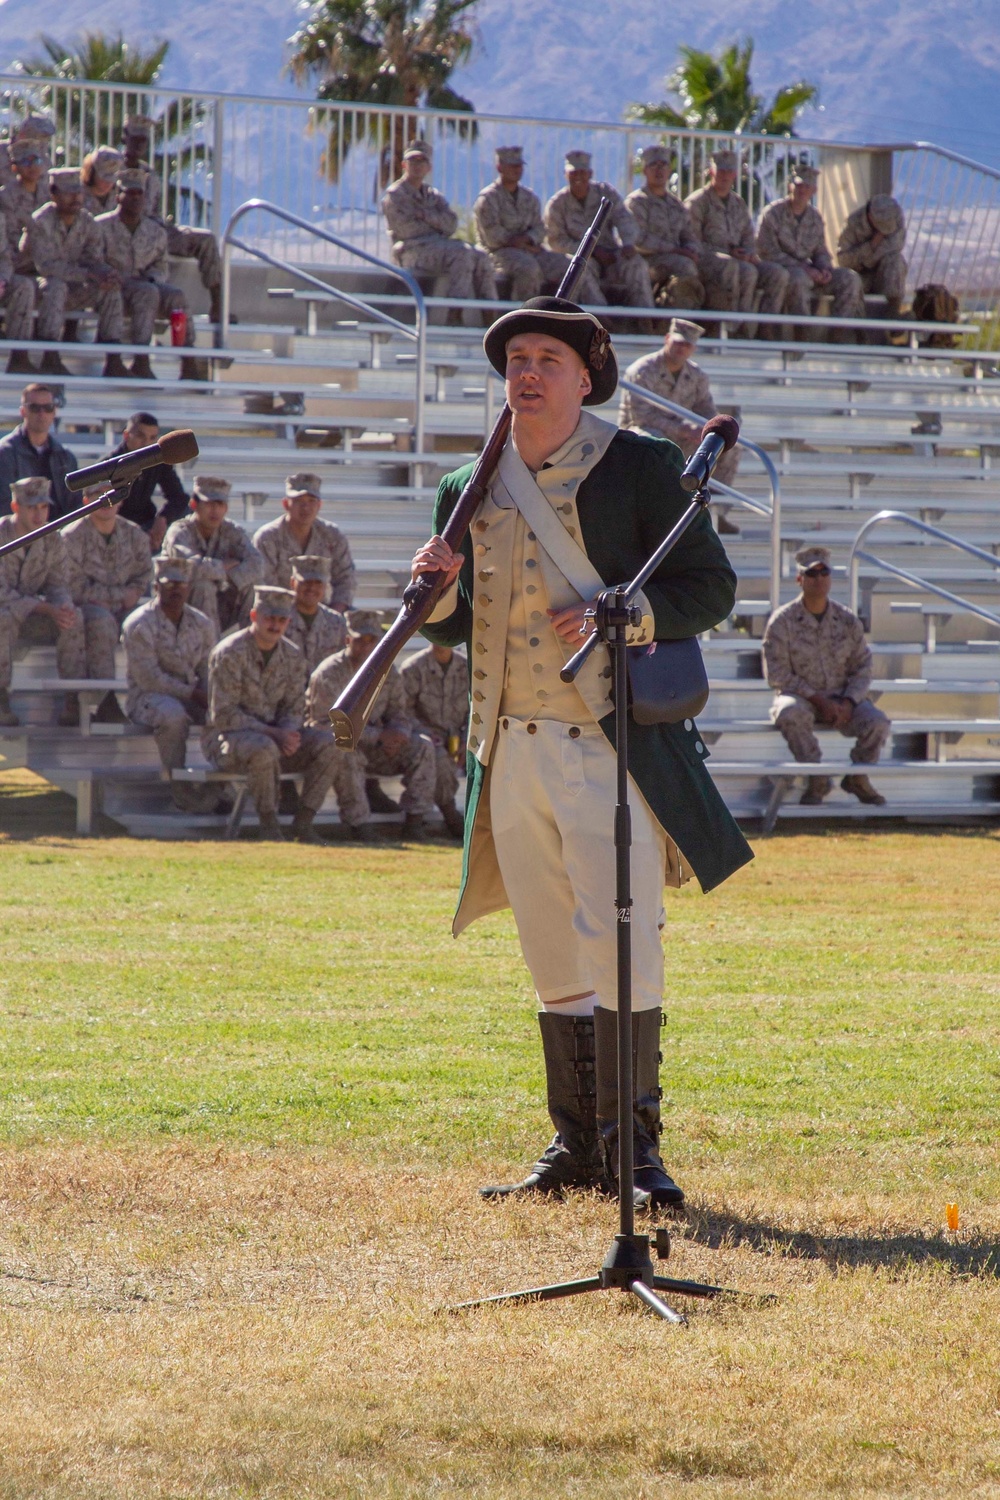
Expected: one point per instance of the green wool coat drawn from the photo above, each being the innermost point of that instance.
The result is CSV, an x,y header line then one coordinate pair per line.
x,y
627,504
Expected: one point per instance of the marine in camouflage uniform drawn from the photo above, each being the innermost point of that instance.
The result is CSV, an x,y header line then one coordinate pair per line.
x,y
509,227
226,563
722,222
26,191
615,272
167,646
317,630
686,384
436,683
818,662
136,247
871,243
256,693
109,569
667,241
389,744
791,234
17,298
36,607
100,171
35,131
67,250
422,223
299,531
182,240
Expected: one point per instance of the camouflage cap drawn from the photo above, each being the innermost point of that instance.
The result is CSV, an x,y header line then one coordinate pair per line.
x,y
803,173
303,483
419,148
96,487
807,557
363,622
311,566
885,213
25,153
139,125
268,600
172,569
132,179
208,487
510,156
578,161
681,328
33,491
725,160
650,155
66,180
35,127
107,163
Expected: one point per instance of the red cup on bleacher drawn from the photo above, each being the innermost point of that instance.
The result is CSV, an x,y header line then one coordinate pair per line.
x,y
178,327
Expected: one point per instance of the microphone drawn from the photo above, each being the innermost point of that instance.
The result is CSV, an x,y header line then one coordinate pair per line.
x,y
717,437
172,448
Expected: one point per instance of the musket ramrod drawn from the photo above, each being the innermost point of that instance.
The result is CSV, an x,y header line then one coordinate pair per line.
x,y
350,713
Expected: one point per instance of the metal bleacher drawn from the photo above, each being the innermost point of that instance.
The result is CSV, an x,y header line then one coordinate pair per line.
x,y
318,391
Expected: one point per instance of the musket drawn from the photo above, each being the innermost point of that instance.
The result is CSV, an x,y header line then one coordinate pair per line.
x,y
350,713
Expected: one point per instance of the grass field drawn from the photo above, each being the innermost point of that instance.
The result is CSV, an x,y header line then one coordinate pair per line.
x,y
246,1096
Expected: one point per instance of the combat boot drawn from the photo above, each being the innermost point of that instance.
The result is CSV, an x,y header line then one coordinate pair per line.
x,y
454,821
141,368
303,831
859,786
69,714
8,718
215,304
379,801
361,833
115,368
818,788
51,364
415,829
573,1157
653,1187
19,364
270,830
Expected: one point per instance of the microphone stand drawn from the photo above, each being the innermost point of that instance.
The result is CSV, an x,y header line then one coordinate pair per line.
x,y
110,497
627,1264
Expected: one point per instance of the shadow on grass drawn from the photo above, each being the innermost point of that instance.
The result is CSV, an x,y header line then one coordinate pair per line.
x,y
974,1256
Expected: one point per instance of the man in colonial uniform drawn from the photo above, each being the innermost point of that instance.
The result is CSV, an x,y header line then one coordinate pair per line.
x,y
540,809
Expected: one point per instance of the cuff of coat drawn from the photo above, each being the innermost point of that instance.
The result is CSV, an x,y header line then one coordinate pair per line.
x,y
446,605
643,633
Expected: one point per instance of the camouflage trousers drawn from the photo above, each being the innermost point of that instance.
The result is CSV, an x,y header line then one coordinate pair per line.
x,y
445,777
170,719
18,303
101,633
199,245
887,279
145,301
469,272
687,437
796,719
625,282
41,630
414,764
677,281
57,297
845,289
226,606
256,756
528,270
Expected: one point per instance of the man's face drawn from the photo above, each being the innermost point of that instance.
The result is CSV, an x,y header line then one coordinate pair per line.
x,y
268,629
416,169
722,180
815,583
68,204
578,179
209,514
131,202
510,176
29,171
657,175
679,351
545,377
136,145
308,595
29,514
102,520
172,594
38,412
442,654
142,435
801,194
302,510
360,647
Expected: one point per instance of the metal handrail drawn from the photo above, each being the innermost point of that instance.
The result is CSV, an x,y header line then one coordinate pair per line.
x,y
417,333
774,511
913,579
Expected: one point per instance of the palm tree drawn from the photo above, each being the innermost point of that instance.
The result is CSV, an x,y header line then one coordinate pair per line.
x,y
88,117
717,94
389,52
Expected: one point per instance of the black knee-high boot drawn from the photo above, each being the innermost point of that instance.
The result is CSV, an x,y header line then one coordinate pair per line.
x,y
573,1158
654,1187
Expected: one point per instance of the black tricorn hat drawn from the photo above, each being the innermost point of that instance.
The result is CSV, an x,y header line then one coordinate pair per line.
x,y
567,322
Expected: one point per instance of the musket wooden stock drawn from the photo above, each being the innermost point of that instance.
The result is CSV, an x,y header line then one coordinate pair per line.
x,y
351,712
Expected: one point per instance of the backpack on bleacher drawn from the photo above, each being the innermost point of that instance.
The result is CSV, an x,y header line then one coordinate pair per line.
x,y
935,304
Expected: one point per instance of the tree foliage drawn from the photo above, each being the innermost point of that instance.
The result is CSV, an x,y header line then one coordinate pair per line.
x,y
716,93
